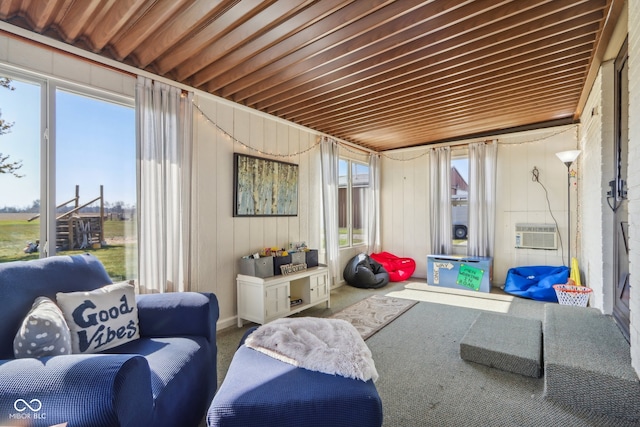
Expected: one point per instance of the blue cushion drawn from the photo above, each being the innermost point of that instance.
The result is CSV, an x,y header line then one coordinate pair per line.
x,y
181,370
261,391
84,390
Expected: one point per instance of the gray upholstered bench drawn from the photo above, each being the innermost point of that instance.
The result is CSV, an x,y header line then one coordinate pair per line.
x,y
587,364
505,342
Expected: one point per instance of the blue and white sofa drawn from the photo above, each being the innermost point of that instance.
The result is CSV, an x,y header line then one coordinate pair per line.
x,y
165,376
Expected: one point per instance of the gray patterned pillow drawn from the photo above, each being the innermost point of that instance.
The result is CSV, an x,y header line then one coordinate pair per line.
x,y
43,332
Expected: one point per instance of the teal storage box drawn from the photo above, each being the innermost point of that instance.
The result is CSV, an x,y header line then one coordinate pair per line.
x,y
460,272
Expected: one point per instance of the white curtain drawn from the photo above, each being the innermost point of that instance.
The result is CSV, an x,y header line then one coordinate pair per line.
x,y
373,205
329,158
440,200
164,133
482,198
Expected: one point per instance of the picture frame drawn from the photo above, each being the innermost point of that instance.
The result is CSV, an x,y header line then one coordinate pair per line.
x,y
264,187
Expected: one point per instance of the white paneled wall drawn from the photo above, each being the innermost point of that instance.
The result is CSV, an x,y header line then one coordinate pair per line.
x,y
634,177
404,183
520,199
25,56
219,238
405,205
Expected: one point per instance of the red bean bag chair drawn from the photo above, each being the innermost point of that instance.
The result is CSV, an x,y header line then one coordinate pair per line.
x,y
399,269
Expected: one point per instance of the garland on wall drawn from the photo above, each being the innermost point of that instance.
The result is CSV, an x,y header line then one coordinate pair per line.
x,y
529,141
352,150
247,146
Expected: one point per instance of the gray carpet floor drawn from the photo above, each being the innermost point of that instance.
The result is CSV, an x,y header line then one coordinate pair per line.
x,y
424,382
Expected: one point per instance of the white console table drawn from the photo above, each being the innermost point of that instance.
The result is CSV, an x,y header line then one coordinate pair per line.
x,y
261,300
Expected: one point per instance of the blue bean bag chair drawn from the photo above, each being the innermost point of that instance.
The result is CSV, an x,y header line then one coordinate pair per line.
x,y
536,282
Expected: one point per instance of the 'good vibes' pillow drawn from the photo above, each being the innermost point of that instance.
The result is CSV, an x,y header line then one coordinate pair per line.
x,y
100,319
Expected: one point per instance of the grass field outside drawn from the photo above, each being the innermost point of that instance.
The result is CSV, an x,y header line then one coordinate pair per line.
x,y
118,255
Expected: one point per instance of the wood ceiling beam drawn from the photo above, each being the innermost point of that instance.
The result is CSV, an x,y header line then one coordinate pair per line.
x,y
8,9
72,23
249,54
444,87
307,42
378,47
42,14
478,63
488,134
258,23
440,116
216,25
401,62
112,18
453,112
376,28
446,94
484,124
496,116
415,124
457,60
455,97
173,29
148,22
370,95
614,10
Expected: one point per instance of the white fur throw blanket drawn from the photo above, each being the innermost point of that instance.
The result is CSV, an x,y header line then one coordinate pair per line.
x,y
332,346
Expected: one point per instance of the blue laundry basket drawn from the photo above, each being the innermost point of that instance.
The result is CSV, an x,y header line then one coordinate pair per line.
x,y
536,282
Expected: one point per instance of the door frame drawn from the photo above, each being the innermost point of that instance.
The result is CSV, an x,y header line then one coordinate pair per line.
x,y
618,190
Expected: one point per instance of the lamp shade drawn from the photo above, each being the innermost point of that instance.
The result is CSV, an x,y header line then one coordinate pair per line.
x,y
568,156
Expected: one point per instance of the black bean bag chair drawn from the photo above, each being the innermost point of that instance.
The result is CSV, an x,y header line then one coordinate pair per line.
x,y
364,272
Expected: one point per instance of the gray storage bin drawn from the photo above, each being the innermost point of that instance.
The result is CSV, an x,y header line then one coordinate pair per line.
x,y
311,258
298,258
279,261
260,267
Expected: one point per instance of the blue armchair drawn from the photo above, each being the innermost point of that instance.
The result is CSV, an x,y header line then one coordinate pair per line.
x,y
167,377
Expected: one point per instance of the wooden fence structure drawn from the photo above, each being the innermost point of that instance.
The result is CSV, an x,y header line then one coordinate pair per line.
x,y
79,230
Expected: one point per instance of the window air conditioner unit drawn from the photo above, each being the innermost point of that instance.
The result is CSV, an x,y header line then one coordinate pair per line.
x,y
536,236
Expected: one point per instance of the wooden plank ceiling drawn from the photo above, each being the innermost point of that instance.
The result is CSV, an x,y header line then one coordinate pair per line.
x,y
379,73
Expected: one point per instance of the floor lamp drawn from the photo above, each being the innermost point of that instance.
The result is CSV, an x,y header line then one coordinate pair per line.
x,y
568,157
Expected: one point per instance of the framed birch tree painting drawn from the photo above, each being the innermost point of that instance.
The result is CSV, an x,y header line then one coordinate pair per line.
x,y
264,187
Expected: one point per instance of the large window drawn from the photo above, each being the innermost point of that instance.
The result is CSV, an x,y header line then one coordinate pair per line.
x,y
20,146
352,202
75,190
460,199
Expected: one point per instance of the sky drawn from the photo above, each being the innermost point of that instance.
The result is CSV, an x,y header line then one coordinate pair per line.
x,y
463,167
95,146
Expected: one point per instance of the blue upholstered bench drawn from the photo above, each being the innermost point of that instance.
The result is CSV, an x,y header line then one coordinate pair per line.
x,y
259,390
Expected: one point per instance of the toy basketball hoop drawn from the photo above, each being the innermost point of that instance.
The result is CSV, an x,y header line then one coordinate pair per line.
x,y
572,295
